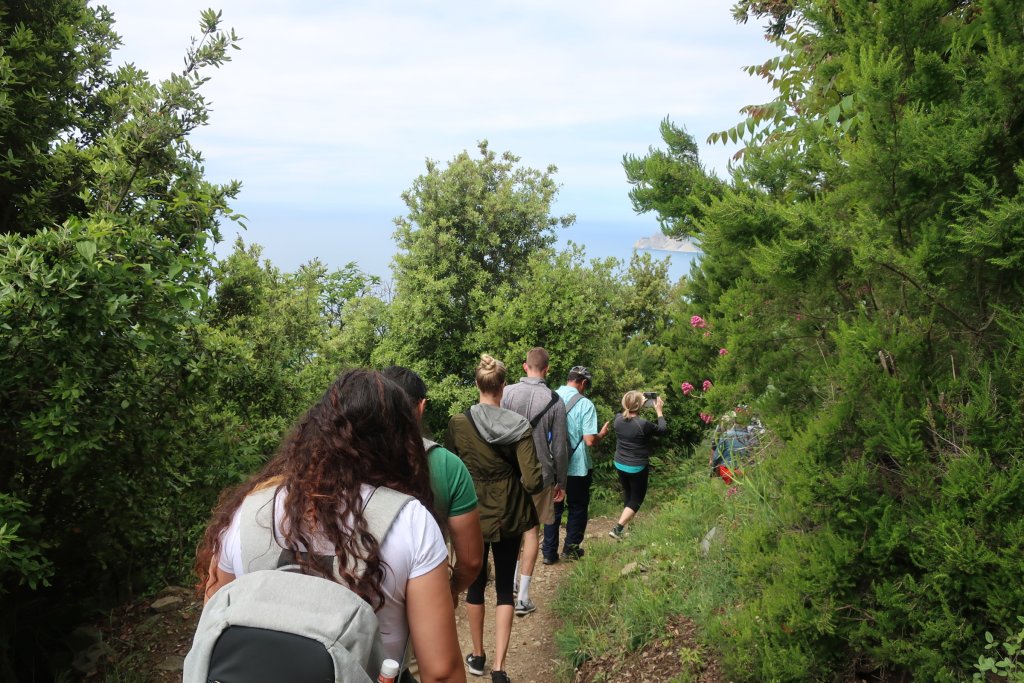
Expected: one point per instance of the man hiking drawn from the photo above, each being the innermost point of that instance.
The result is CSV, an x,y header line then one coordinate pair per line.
x,y
531,398
581,426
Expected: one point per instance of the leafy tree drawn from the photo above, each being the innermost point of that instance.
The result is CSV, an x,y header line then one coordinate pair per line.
x,y
672,182
108,224
281,329
55,63
644,308
364,326
561,303
862,272
472,227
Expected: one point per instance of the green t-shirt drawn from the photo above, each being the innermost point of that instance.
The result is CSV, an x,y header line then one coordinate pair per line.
x,y
454,493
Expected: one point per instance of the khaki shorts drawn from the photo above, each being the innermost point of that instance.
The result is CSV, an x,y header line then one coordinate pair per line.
x,y
544,502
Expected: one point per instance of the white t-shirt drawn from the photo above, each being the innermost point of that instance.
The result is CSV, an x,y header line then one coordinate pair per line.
x,y
412,548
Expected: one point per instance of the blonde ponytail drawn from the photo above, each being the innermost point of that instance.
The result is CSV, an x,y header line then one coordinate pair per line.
x,y
632,402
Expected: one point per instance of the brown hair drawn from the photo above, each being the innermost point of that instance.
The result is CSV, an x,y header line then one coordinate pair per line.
x,y
361,431
537,358
490,375
632,402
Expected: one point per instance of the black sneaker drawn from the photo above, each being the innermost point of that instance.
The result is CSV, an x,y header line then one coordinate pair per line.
x,y
500,677
572,553
475,664
550,559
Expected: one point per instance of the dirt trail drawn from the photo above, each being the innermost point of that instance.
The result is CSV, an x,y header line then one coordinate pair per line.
x,y
532,653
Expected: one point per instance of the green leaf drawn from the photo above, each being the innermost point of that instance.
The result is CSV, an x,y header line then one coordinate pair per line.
x,y
86,248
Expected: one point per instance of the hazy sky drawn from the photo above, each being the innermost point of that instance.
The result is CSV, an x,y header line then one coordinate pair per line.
x,y
329,110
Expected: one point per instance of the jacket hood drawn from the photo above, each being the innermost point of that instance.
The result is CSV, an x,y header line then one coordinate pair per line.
x,y
497,425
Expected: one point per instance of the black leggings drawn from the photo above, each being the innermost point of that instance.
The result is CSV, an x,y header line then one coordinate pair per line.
x,y
634,488
505,553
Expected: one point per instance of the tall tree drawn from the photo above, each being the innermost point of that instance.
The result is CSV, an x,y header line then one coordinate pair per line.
x,y
672,182
472,227
861,275
108,227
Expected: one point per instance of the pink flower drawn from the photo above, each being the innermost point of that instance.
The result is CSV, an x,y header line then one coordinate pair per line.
x,y
707,385
722,352
706,418
697,322
687,388
733,490
799,317
707,334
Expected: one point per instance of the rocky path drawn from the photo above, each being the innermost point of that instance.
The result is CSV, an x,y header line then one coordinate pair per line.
x,y
533,654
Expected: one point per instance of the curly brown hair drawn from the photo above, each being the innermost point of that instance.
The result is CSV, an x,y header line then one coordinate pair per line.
x,y
362,431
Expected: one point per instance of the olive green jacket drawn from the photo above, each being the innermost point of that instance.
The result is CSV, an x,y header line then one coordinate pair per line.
x,y
506,508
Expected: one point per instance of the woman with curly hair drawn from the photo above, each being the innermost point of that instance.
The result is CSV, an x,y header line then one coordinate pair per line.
x,y
497,447
361,435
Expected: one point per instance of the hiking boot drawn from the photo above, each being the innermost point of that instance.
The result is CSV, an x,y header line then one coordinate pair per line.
x,y
500,677
525,607
618,533
572,553
550,559
475,664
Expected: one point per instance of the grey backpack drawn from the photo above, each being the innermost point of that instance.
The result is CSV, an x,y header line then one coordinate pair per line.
x,y
275,624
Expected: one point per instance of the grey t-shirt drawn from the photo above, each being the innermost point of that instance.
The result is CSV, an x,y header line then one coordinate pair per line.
x,y
529,397
634,439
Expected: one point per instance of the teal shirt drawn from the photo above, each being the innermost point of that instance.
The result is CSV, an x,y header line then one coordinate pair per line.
x,y
581,420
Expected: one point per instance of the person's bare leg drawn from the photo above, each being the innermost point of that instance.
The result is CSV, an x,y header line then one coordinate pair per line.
x,y
531,548
627,514
503,615
476,627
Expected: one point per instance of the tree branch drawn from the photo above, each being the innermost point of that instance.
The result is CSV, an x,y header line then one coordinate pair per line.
x,y
938,302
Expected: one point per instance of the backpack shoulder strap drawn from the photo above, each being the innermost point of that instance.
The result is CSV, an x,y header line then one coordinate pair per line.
x,y
571,403
382,510
260,550
536,418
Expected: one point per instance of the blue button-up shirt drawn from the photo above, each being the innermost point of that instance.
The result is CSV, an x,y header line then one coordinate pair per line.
x,y
581,420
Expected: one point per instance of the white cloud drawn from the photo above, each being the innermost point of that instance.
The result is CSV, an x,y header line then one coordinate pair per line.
x,y
341,101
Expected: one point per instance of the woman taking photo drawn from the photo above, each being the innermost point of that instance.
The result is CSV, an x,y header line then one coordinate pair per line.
x,y
361,435
497,447
633,447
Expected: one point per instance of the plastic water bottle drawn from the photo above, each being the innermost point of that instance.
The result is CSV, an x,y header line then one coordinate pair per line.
x,y
388,671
